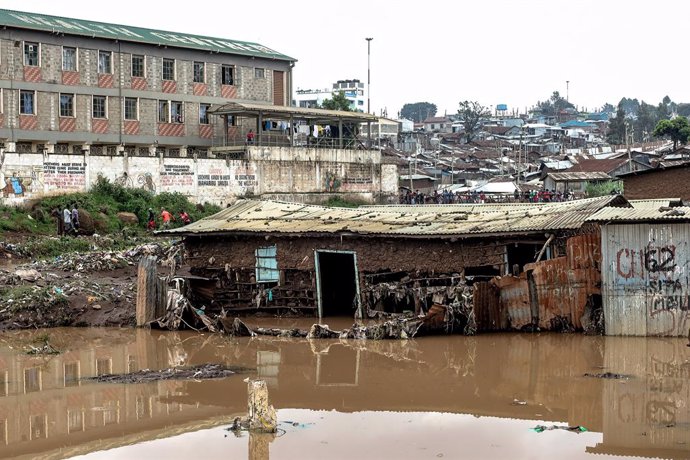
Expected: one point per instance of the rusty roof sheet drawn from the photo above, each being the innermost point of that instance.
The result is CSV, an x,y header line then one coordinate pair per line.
x,y
277,217
576,176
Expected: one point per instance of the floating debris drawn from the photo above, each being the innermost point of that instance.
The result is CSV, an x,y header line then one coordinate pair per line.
x,y
201,372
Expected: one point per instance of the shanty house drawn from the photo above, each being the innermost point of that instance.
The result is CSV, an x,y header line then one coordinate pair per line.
x,y
523,265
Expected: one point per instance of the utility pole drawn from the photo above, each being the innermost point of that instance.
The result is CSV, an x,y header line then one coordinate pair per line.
x,y
369,73
567,91
369,39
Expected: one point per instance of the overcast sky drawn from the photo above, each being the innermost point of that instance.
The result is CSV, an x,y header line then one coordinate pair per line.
x,y
492,51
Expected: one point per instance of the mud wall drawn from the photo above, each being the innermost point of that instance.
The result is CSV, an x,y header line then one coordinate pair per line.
x,y
394,275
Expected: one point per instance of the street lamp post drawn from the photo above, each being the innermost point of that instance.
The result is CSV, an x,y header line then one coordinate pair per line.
x,y
369,39
369,73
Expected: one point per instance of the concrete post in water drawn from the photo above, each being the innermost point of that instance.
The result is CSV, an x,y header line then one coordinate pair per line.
x,y
260,414
146,291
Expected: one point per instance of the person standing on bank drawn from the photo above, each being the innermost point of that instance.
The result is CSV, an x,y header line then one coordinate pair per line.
x,y
166,217
67,219
151,219
250,137
75,218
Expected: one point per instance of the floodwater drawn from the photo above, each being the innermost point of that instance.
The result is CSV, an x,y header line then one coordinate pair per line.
x,y
434,397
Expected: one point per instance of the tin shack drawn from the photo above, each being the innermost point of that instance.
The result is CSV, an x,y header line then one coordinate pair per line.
x,y
645,268
521,266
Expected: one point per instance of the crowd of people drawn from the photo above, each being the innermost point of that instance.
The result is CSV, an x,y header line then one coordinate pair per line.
x,y
448,197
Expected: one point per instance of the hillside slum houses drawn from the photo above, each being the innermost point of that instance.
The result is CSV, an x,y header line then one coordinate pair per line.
x,y
584,265
529,153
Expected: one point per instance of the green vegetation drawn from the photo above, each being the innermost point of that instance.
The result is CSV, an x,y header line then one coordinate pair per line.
x,y
338,101
339,202
604,188
418,111
677,129
102,203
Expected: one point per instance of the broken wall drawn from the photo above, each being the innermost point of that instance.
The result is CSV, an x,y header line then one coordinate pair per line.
x,y
557,294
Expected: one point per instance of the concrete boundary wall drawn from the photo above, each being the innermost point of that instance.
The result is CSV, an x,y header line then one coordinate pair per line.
x,y
300,174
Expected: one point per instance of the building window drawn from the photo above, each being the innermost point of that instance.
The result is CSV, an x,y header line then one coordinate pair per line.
x,y
227,74
31,54
168,69
131,108
266,265
66,105
27,102
203,113
138,65
104,366
69,59
99,107
177,112
163,112
105,62
258,72
199,72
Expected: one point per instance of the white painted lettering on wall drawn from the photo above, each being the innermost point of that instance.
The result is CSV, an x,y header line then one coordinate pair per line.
x,y
64,175
176,175
214,178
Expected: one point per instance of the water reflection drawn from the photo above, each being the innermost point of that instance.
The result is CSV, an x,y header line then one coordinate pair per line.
x,y
48,411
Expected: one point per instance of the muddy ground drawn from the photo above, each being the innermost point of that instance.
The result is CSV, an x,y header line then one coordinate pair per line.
x,y
97,288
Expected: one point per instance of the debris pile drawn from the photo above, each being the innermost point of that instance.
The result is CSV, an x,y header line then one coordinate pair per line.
x,y
101,260
12,251
203,371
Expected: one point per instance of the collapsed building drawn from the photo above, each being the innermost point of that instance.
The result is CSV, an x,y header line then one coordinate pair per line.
x,y
519,266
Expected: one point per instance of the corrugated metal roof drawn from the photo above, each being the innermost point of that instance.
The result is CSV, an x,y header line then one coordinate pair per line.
x,y
281,111
646,213
416,221
94,29
584,175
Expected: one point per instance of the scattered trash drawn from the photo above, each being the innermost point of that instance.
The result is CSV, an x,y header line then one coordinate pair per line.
x,y
96,307
28,274
575,429
517,402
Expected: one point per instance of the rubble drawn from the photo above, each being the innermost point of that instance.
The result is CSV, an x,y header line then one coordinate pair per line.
x,y
201,372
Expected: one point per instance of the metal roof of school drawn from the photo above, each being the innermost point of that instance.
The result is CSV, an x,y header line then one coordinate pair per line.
x,y
252,109
94,29
277,217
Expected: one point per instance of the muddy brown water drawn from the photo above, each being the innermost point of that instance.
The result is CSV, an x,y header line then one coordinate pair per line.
x,y
429,398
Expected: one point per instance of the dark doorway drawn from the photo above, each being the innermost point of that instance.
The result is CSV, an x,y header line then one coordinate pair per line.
x,y
520,254
337,283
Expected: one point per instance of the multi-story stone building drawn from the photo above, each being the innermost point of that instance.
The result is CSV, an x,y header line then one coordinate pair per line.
x,y
82,99
70,85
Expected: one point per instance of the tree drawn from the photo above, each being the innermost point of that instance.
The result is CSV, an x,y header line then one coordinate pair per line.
x,y
418,111
338,101
646,121
677,129
616,134
471,114
554,105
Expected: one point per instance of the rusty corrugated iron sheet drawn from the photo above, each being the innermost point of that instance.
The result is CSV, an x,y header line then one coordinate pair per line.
x,y
514,300
487,312
560,288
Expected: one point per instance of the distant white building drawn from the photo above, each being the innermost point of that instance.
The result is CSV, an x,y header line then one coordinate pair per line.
x,y
353,90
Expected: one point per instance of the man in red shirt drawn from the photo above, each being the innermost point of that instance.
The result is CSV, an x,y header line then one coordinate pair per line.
x,y
166,217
